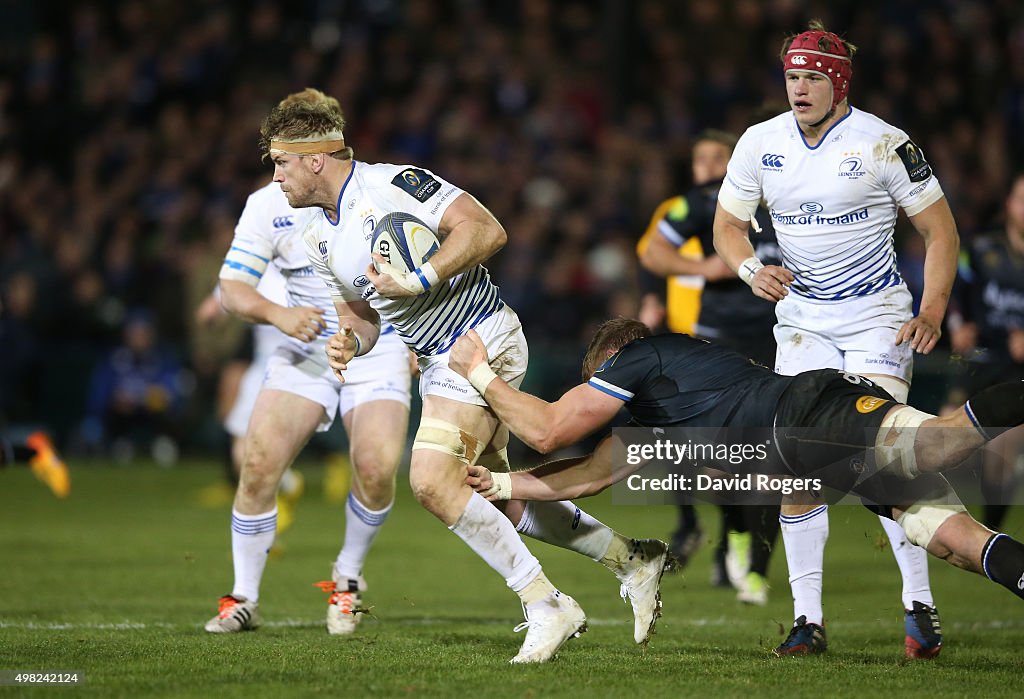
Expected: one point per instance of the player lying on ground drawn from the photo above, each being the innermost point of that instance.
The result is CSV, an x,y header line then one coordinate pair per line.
x,y
678,381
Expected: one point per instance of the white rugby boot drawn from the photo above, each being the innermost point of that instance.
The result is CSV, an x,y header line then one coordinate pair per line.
x,y
548,626
641,584
344,606
235,614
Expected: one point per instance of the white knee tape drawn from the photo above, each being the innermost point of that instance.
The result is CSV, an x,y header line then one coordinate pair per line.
x,y
897,388
496,461
447,438
894,444
922,520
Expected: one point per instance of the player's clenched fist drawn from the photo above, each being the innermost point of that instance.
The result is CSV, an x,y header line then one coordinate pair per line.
x,y
341,348
301,322
467,353
772,282
493,486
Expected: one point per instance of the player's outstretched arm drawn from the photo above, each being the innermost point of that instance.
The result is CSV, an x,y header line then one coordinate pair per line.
x,y
565,479
541,425
942,248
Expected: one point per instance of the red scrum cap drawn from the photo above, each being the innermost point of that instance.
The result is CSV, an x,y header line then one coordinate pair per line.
x,y
808,52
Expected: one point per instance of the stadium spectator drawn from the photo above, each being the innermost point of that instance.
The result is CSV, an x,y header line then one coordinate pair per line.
x,y
137,395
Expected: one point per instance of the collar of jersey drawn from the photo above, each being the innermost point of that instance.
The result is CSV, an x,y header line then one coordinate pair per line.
x,y
824,135
340,195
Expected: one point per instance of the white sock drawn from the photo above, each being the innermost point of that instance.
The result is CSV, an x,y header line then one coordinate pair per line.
x,y
491,535
564,525
361,527
805,536
251,539
913,563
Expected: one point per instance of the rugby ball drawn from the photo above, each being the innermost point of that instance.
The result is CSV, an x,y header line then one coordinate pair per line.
x,y
404,241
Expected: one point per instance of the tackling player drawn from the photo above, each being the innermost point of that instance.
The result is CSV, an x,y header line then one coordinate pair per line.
x,y
429,307
832,178
887,452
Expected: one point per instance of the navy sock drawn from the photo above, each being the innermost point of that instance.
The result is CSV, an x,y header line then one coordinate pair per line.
x,y
997,409
1003,562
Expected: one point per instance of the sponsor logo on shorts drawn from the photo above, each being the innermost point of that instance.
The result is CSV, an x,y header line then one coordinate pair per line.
x,y
1020,583
449,385
884,361
867,404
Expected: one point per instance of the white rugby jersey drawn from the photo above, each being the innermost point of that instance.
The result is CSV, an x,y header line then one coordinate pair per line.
x,y
834,205
340,253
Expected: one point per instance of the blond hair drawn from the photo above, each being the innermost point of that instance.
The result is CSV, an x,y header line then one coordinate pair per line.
x,y
301,116
612,335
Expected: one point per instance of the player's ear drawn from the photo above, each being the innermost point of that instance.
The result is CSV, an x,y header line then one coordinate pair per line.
x,y
317,162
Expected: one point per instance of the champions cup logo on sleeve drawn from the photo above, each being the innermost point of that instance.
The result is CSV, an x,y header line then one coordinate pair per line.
x,y
913,160
417,183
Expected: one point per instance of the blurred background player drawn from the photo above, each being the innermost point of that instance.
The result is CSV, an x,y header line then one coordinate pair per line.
x,y
679,244
832,178
300,396
37,452
987,329
243,391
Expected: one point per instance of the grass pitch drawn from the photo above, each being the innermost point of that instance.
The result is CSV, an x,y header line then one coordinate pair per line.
x,y
117,581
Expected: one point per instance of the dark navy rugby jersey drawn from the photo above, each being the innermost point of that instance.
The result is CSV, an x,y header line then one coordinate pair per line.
x,y
677,380
728,311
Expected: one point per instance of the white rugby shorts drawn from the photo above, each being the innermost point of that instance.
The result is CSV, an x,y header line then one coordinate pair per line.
x,y
857,335
503,336
381,374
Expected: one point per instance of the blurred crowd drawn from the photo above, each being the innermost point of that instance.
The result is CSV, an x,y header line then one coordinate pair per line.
x,y
128,146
